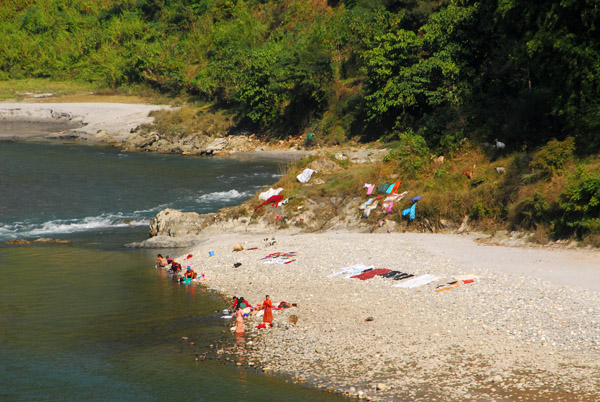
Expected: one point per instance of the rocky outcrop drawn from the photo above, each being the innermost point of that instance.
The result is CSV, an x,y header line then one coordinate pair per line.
x,y
174,223
192,144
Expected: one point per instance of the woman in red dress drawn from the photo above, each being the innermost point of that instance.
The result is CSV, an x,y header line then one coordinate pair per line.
x,y
267,306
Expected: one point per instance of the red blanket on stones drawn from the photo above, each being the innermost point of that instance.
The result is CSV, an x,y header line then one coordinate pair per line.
x,y
369,274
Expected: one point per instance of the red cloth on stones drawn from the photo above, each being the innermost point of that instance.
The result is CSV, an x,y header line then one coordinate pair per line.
x,y
369,274
274,199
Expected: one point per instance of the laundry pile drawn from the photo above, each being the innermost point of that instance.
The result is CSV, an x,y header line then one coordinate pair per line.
x,y
279,258
405,279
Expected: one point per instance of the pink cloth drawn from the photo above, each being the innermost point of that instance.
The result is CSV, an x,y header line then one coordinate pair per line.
x,y
239,322
370,189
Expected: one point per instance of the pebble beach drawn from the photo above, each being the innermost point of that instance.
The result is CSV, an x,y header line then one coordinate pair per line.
x,y
511,333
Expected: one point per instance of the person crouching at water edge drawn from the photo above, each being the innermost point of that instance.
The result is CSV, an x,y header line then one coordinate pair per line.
x,y
161,261
190,273
267,305
175,266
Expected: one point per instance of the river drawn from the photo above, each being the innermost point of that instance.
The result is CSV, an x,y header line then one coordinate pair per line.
x,y
94,320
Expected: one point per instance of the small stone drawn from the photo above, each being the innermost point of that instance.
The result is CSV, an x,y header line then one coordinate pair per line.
x,y
381,387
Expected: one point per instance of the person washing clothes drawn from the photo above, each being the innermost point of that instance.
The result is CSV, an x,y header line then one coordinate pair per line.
x,y
175,266
190,273
161,261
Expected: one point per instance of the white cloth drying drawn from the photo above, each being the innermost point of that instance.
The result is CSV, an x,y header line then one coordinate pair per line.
x,y
265,195
304,177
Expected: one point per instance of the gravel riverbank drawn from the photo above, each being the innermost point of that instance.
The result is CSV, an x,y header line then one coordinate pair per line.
x,y
512,334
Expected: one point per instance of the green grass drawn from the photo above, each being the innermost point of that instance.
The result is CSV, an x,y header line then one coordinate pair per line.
x,y
19,89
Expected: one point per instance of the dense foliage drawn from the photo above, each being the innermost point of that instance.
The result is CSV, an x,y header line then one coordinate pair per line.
x,y
524,71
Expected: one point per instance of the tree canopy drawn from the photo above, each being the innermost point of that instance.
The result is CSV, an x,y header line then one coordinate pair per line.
x,y
522,71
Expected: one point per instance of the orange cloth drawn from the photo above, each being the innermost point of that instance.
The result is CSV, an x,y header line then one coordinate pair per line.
x,y
268,316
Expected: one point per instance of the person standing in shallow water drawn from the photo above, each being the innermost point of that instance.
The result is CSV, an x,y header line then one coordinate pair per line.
x,y
239,322
161,261
267,305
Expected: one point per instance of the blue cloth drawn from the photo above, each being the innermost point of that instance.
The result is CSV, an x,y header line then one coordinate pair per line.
x,y
415,199
410,211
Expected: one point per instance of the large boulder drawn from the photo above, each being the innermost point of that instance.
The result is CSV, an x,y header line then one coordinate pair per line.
x,y
217,145
174,223
324,165
140,142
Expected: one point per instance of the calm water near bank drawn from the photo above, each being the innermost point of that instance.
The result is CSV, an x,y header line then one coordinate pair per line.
x,y
93,320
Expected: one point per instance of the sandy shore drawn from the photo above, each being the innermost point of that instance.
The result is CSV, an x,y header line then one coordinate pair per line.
x,y
22,120
527,328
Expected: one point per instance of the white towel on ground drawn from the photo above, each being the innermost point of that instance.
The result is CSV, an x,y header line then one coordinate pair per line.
x,y
352,270
416,282
304,177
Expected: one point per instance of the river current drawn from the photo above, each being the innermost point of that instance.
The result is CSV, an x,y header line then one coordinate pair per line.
x,y
94,320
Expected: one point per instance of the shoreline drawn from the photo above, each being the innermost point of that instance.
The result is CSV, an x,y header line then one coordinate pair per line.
x,y
117,124
75,120
509,334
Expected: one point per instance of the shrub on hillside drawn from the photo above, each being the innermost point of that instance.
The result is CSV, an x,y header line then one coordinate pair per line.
x,y
552,157
410,150
531,211
579,206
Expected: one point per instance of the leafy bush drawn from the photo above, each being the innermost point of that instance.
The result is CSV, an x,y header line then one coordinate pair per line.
x,y
552,157
479,211
410,150
531,211
579,206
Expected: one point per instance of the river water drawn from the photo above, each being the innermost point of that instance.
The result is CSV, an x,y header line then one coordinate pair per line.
x,y
93,320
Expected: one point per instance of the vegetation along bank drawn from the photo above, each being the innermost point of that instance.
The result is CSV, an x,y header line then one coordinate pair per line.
x,y
506,93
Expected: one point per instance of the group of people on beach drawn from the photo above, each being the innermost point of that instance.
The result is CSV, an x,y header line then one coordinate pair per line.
x,y
242,308
163,262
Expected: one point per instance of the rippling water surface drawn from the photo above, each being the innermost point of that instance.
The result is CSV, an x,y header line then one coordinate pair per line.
x,y
93,320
